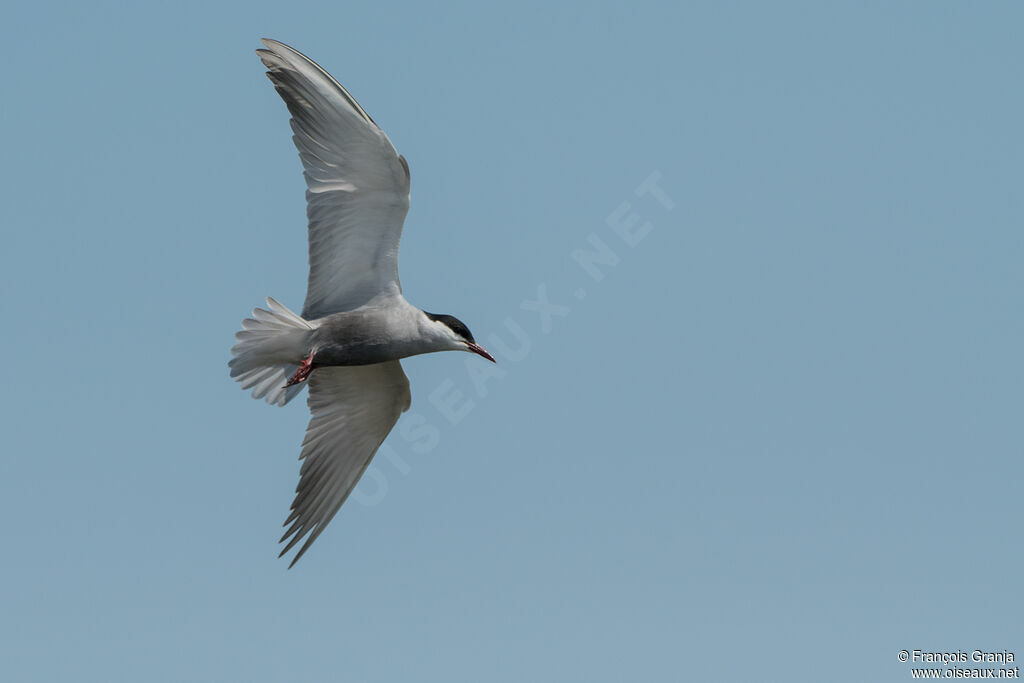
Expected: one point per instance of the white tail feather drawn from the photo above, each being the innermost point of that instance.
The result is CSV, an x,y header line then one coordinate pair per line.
x,y
264,356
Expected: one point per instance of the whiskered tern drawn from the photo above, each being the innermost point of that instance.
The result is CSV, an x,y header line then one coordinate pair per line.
x,y
355,324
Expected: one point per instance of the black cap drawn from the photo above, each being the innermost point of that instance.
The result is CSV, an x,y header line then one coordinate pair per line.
x,y
453,323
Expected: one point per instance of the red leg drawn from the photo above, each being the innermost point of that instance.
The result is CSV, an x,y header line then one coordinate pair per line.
x,y
302,374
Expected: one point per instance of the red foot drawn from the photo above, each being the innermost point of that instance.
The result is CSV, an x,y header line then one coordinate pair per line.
x,y
302,374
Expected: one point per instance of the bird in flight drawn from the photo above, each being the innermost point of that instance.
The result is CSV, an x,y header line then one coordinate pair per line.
x,y
355,323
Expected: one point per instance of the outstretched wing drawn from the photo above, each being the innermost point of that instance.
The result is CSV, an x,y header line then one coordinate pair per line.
x,y
353,409
358,186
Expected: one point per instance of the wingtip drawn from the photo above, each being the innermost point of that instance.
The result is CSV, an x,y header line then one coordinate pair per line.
x,y
278,48
271,50
297,555
302,551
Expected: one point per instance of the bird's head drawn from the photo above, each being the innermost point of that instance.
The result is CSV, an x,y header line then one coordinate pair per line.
x,y
453,335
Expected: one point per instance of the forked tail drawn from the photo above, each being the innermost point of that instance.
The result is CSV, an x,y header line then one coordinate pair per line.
x,y
264,356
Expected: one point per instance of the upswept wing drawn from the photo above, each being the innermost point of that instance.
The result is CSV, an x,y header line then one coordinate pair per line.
x,y
358,186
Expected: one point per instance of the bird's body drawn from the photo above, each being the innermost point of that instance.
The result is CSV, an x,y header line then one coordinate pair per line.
x,y
370,334
355,324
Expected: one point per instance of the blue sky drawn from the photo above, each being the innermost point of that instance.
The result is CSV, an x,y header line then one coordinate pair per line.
x,y
776,435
